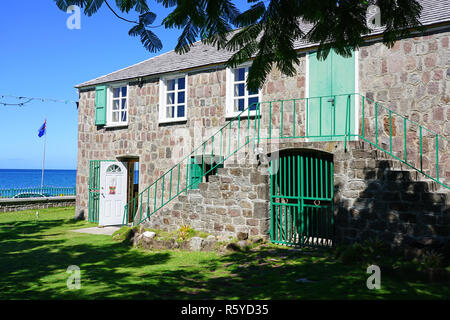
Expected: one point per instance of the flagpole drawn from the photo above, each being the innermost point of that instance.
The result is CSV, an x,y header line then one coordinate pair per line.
x,y
43,158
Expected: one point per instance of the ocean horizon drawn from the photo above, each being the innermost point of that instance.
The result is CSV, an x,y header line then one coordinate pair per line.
x,y
23,178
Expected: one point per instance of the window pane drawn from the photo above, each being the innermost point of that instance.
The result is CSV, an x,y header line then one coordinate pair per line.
x,y
239,104
124,91
181,97
180,111
239,74
115,117
171,85
181,83
171,98
113,168
170,113
239,90
252,103
115,105
124,116
124,103
116,92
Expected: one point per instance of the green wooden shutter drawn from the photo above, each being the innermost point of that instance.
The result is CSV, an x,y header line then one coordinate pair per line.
x,y
195,174
100,105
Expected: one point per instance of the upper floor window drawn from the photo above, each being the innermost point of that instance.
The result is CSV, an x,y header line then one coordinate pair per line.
x,y
111,105
238,96
117,106
173,94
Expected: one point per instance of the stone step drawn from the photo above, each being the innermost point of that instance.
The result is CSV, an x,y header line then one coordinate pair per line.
x,y
409,186
397,175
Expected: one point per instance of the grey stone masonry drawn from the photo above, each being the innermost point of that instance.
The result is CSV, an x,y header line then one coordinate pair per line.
x,y
231,202
382,199
9,205
374,197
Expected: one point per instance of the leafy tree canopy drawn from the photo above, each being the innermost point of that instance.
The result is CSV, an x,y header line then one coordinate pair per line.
x,y
266,32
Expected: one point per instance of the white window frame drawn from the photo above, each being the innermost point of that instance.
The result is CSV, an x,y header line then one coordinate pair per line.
x,y
109,104
163,97
230,112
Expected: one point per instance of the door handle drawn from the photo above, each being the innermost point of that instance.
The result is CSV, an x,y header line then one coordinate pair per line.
x,y
332,101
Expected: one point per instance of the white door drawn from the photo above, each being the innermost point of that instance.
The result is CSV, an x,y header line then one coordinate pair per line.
x,y
113,192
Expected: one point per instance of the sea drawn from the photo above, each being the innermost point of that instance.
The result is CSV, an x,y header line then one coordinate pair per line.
x,y
24,178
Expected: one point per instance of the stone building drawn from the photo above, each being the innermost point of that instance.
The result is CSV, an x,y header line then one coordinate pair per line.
x,y
345,150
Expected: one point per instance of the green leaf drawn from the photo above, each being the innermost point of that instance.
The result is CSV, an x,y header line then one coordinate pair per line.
x,y
147,18
251,16
92,6
150,41
64,4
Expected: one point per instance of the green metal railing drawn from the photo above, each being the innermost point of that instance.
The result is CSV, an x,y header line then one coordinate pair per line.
x,y
237,135
405,140
94,190
345,117
29,192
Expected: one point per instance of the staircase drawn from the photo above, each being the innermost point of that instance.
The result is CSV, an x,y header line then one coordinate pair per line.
x,y
411,151
395,203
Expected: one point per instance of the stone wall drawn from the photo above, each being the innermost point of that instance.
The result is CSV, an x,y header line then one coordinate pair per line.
x,y
235,200
374,197
413,79
10,205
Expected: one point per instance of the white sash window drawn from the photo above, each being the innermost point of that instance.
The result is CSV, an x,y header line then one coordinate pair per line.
x,y
238,96
173,98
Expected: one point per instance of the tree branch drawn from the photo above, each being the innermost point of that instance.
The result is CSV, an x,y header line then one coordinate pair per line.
x,y
118,15
130,21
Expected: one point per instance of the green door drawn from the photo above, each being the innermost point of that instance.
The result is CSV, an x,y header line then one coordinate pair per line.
x,y
302,199
330,110
195,173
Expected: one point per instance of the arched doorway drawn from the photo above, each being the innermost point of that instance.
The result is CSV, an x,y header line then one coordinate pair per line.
x,y
302,198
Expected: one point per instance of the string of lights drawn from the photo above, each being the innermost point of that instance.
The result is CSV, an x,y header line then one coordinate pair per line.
x,y
24,100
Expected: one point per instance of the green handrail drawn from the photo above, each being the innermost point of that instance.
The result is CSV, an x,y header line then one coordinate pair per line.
x,y
250,117
371,112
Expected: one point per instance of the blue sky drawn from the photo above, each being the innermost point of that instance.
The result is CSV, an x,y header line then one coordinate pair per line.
x,y
41,57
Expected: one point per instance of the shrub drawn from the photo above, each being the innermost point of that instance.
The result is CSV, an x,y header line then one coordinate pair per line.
x,y
351,254
432,259
375,248
184,232
367,251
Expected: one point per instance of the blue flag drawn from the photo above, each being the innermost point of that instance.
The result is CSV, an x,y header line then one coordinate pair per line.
x,y
41,131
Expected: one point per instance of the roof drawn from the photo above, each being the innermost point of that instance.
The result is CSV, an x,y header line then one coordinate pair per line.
x,y
434,12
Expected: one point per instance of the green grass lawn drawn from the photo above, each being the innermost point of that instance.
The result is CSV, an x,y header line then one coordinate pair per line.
x,y
35,254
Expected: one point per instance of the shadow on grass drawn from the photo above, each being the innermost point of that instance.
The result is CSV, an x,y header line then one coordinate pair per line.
x,y
28,254
293,274
34,258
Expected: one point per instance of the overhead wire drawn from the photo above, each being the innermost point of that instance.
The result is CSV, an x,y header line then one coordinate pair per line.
x,y
29,99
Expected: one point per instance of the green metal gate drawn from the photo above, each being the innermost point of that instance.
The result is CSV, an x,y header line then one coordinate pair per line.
x,y
94,190
302,199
